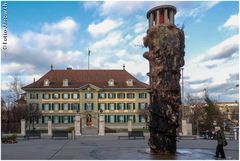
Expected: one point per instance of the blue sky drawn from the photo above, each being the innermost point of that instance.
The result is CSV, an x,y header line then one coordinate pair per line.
x,y
59,33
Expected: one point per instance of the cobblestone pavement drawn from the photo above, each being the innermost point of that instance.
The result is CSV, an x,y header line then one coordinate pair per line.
x,y
109,147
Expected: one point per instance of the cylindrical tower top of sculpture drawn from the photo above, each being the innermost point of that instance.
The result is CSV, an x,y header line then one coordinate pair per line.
x,y
160,15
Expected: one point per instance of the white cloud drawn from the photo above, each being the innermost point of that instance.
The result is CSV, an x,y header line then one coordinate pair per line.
x,y
140,27
103,27
90,4
231,23
112,8
16,68
111,40
138,40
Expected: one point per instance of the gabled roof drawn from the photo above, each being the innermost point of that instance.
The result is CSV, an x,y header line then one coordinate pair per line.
x,y
80,78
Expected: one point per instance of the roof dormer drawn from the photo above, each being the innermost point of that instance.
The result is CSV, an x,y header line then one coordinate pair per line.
x,y
65,82
111,82
129,82
46,82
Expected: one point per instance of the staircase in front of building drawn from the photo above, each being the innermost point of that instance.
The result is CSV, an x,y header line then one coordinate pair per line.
x,y
90,130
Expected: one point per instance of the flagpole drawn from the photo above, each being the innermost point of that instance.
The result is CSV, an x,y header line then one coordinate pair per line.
x,y
88,59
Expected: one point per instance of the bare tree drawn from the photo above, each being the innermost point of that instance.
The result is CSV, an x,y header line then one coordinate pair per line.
x,y
15,88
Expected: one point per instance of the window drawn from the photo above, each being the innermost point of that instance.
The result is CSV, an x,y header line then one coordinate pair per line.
x,y
111,82
88,95
130,106
65,119
65,106
111,95
142,106
102,95
121,118
129,82
56,107
111,106
46,119
102,106
46,96
130,95
121,106
112,119
121,95
88,106
142,95
75,96
46,107
56,120
55,96
46,82
75,106
65,96
33,95
34,105
65,82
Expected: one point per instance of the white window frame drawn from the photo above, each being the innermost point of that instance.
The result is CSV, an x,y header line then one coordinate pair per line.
x,y
65,82
111,106
55,96
75,96
111,118
46,96
88,95
56,119
46,82
46,106
65,106
55,107
110,95
102,95
121,118
122,106
65,95
46,118
102,106
65,119
89,106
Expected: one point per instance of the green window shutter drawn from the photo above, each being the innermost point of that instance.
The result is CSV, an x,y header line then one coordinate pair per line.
x,y
78,107
134,118
98,106
78,95
128,117
91,95
59,119
124,106
42,119
69,119
62,107
125,118
71,95
68,96
139,118
133,95
30,95
42,107
123,95
52,95
115,118
62,96
69,106
108,106
114,95
118,106
85,106
105,95
98,95
58,95
52,119
43,95
108,118
85,95
62,119
105,118
37,95
114,106
92,106
37,106
108,95
134,106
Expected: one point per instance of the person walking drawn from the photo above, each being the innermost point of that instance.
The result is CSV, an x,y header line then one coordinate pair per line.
x,y
221,141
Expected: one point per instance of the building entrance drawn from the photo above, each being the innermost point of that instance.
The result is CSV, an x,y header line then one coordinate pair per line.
x,y
89,120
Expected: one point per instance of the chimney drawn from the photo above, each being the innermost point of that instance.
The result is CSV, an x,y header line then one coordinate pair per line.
x,y
69,68
123,66
33,80
51,67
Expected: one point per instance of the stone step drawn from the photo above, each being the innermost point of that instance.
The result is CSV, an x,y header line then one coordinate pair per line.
x,y
90,131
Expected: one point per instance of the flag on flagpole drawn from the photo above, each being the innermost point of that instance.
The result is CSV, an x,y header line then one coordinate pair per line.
x,y
88,52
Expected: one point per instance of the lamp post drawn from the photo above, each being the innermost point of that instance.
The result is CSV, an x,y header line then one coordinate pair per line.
x,y
182,87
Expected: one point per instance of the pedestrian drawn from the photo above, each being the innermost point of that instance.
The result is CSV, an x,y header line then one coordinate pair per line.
x,y
220,142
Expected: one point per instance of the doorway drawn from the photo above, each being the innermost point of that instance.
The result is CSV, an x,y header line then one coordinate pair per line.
x,y
89,120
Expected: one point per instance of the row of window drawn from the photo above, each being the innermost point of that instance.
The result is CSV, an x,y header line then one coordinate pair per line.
x,y
90,106
122,118
70,119
87,95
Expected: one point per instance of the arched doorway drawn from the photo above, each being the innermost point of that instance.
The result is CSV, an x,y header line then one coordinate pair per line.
x,y
89,120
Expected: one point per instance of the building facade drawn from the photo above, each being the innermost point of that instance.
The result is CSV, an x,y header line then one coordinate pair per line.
x,y
61,94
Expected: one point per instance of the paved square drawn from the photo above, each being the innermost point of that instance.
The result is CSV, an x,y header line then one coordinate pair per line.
x,y
108,147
